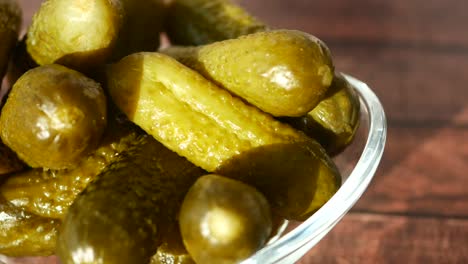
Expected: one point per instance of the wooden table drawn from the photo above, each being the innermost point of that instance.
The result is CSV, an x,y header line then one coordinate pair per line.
x,y
414,53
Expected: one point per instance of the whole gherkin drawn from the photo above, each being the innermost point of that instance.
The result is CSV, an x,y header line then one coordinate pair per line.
x,y
282,72
198,22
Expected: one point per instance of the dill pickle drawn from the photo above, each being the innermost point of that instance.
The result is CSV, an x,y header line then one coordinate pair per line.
x,y
49,193
172,249
282,72
141,28
10,23
132,202
198,22
25,234
53,117
77,34
9,161
334,121
223,220
222,134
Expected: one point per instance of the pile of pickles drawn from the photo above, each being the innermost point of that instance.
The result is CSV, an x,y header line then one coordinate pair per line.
x,y
115,150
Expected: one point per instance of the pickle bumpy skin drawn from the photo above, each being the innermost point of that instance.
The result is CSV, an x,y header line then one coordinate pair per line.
x,y
25,234
282,72
134,202
49,193
222,134
198,22
335,120
77,34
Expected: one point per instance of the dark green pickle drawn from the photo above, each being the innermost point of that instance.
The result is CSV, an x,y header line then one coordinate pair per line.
x,y
122,216
172,249
198,22
49,193
223,220
53,117
335,120
25,234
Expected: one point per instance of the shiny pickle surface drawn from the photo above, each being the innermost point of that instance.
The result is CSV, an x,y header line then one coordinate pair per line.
x,y
334,121
198,22
223,220
221,133
9,161
78,34
49,193
141,27
53,117
10,23
122,216
282,72
24,234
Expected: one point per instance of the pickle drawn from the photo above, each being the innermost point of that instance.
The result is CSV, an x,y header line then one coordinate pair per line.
x,y
222,134
334,121
172,249
142,26
9,162
53,117
132,202
78,34
10,23
282,72
198,22
25,234
224,220
50,193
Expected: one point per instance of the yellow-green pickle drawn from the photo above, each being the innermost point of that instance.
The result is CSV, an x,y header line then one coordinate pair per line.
x,y
114,153
334,121
123,215
49,193
10,22
78,34
198,22
223,220
222,134
53,117
282,72
25,234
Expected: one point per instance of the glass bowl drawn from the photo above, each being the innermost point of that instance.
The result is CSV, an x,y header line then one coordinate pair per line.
x,y
357,164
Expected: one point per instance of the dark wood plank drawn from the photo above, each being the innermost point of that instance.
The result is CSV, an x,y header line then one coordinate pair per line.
x,y
415,23
423,172
416,86
367,238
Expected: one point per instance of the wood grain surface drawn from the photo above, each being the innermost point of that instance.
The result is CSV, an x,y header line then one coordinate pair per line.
x,y
414,54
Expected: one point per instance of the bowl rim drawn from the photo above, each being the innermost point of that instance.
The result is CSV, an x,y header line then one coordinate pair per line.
x,y
302,238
